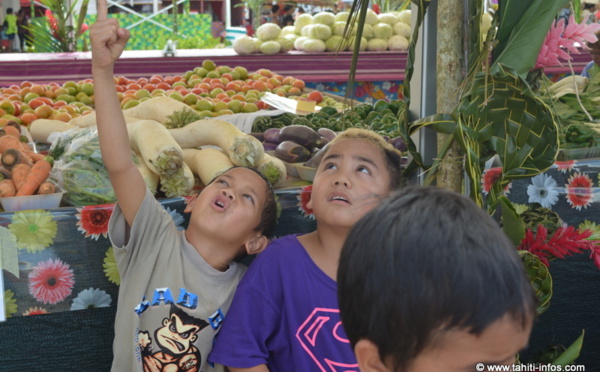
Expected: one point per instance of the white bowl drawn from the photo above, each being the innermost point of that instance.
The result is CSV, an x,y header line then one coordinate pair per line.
x,y
21,203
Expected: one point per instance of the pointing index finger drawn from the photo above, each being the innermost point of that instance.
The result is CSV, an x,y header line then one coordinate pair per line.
x,y
102,10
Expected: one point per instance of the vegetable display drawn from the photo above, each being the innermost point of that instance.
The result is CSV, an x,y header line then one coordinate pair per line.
x,y
243,149
324,31
22,171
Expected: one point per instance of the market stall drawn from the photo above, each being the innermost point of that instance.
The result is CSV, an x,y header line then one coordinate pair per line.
x,y
74,331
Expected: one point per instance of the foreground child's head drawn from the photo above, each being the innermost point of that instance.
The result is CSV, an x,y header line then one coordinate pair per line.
x,y
358,169
428,281
238,205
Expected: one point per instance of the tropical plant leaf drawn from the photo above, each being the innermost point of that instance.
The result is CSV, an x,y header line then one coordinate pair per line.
x,y
512,224
357,16
508,16
572,352
520,48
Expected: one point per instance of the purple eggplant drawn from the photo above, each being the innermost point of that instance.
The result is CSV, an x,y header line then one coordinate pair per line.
x,y
327,133
302,135
292,152
399,144
258,135
269,146
316,157
272,135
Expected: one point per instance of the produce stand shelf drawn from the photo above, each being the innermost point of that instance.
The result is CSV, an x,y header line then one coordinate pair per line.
x,y
319,67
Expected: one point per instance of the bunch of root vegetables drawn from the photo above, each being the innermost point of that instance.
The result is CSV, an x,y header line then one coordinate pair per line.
x,y
23,171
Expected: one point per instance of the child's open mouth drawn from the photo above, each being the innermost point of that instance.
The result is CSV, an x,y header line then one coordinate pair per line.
x,y
220,202
340,197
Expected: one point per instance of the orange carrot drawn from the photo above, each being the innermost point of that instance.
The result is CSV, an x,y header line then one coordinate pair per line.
x,y
47,187
38,174
35,156
7,188
19,174
9,130
10,142
12,157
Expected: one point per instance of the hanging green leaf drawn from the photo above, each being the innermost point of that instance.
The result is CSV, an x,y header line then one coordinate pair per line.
x,y
522,29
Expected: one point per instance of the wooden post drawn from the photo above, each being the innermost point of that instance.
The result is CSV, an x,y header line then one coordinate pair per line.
x,y
451,70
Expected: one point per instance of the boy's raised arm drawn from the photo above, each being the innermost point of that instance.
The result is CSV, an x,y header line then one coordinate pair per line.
x,y
108,41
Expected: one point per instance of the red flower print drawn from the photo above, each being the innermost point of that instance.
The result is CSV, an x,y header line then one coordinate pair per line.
x,y
51,281
579,191
35,311
303,200
564,242
566,165
92,220
489,177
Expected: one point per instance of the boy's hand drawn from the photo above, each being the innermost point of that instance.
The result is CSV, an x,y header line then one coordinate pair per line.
x,y
107,39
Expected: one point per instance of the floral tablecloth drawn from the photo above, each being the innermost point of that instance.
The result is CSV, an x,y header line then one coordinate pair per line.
x,y
572,190
61,259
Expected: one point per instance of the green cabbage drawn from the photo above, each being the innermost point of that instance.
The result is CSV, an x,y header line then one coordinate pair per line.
x,y
299,41
270,47
303,19
335,44
372,18
397,42
320,31
313,46
377,45
268,31
388,18
402,29
244,45
342,16
405,16
382,31
286,44
324,18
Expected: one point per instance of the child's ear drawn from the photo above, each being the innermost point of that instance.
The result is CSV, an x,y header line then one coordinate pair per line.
x,y
256,244
367,355
190,204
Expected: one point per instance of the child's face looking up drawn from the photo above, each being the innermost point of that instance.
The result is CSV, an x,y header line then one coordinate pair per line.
x,y
351,179
231,205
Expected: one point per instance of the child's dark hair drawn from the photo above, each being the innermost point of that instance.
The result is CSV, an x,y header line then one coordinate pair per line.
x,y
392,156
426,261
268,218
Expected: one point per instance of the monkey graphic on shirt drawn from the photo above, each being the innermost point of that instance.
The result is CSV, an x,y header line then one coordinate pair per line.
x,y
175,343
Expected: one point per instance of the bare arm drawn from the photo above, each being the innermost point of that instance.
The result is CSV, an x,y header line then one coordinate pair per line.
x,y
108,42
260,368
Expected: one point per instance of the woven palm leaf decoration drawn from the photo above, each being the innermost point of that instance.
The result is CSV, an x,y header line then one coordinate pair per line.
x,y
500,114
540,279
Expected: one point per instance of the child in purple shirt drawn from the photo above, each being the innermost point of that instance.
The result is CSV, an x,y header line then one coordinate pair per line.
x,y
285,314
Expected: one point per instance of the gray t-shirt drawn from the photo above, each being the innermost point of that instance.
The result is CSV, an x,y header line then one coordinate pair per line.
x,y
171,301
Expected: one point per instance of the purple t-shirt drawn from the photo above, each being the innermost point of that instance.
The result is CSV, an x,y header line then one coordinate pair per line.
x,y
285,314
